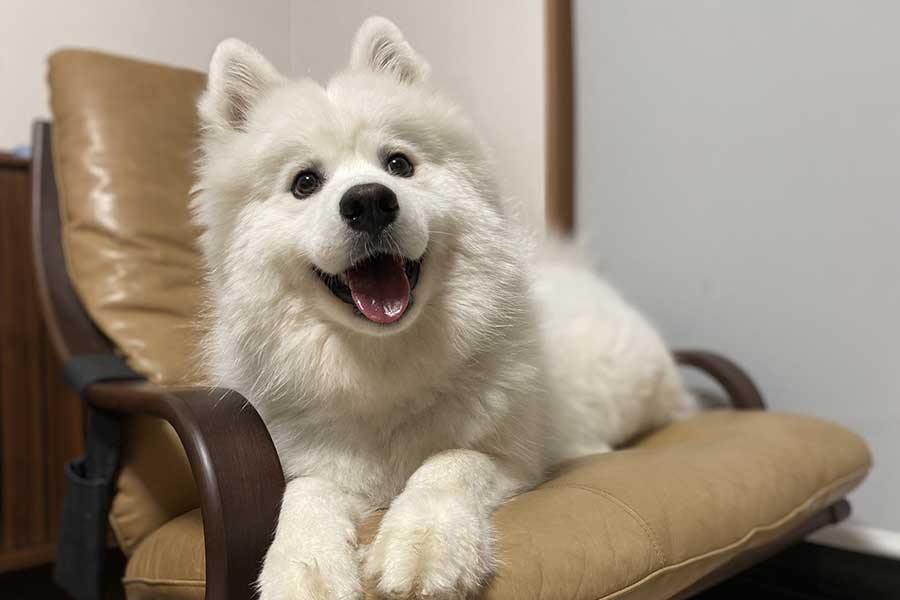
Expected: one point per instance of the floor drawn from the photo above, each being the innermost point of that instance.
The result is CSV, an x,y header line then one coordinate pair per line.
x,y
804,572
37,583
813,572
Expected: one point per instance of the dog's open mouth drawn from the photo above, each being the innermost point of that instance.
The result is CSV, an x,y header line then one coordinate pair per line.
x,y
380,287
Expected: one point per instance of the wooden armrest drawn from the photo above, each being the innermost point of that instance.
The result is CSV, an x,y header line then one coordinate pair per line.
x,y
236,468
232,457
738,385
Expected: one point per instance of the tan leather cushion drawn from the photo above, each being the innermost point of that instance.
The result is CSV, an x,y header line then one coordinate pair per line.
x,y
641,523
154,484
124,133
170,563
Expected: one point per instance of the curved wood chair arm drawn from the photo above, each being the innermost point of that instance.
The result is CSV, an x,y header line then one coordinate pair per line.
x,y
232,457
234,464
738,385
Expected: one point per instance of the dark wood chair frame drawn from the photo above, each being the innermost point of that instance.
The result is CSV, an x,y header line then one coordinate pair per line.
x,y
233,460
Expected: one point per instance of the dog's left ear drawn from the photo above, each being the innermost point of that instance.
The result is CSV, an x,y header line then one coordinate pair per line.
x,y
380,47
238,77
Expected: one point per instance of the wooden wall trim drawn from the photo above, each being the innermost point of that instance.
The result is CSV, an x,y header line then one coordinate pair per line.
x,y
560,108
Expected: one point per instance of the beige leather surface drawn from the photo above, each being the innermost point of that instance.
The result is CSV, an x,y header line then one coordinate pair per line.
x,y
124,134
123,141
641,524
154,484
170,563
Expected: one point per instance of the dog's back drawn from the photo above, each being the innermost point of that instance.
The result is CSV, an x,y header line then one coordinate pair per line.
x,y
609,374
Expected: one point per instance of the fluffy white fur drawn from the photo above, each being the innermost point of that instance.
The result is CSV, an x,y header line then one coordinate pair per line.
x,y
506,363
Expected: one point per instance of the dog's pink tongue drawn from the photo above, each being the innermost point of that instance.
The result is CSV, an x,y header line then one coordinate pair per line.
x,y
380,289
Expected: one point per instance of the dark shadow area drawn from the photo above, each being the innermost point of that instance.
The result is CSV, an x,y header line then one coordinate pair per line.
x,y
812,572
37,583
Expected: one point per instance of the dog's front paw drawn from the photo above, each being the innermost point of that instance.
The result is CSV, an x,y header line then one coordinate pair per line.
x,y
329,576
432,545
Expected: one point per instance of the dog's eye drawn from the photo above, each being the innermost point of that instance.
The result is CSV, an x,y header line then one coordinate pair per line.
x,y
398,165
305,184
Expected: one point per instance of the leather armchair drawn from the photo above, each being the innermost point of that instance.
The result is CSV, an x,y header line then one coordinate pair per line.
x,y
200,484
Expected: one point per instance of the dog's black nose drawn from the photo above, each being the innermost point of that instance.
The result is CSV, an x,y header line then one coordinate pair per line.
x,y
369,207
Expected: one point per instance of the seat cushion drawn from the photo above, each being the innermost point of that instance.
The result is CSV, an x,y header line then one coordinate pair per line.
x,y
641,523
154,484
170,563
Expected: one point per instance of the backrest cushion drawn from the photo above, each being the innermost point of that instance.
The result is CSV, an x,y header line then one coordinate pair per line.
x,y
124,134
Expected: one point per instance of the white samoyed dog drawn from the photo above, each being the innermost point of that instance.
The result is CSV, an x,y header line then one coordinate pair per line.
x,y
373,297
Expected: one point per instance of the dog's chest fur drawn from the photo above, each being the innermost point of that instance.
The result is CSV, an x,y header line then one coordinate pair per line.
x,y
367,417
373,455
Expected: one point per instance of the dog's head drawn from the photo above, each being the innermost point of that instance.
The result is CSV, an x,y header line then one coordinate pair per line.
x,y
363,207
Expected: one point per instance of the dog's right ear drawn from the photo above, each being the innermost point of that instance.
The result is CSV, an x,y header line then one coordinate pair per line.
x,y
238,77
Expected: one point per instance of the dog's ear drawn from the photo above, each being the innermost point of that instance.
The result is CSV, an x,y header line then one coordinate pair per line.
x,y
238,77
380,47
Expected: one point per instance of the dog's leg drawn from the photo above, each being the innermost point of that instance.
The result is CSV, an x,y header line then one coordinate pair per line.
x,y
313,555
436,540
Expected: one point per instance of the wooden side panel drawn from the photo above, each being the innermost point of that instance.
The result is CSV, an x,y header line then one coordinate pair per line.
x,y
40,419
24,494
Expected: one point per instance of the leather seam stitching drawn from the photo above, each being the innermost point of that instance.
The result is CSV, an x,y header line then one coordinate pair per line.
x,y
856,475
642,523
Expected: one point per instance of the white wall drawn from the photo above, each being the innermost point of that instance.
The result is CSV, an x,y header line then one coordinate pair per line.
x,y
486,55
171,31
739,177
